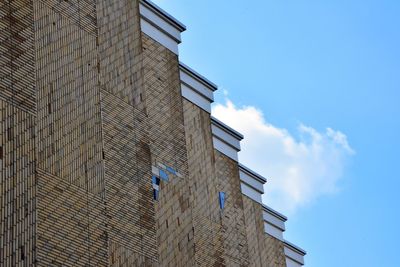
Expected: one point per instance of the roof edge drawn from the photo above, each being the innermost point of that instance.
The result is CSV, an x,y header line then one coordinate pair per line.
x,y
226,128
295,248
179,25
212,86
275,213
252,173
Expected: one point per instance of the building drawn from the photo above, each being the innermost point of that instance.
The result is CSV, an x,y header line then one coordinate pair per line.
x,y
109,155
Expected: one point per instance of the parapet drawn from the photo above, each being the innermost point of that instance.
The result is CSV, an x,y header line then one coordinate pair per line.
x,y
294,255
274,222
196,88
251,183
160,25
225,139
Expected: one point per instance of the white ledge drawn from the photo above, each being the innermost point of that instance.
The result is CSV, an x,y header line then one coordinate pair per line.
x,y
196,88
252,178
251,192
149,9
274,222
160,26
294,255
225,139
252,184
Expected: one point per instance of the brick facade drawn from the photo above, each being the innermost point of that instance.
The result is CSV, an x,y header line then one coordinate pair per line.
x,y
103,162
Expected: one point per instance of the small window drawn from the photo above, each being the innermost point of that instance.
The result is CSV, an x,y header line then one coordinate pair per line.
x,y
1,152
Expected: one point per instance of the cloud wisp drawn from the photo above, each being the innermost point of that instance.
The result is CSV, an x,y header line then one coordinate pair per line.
x,y
299,169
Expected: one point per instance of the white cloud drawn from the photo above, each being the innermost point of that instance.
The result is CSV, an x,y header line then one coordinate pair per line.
x,y
299,170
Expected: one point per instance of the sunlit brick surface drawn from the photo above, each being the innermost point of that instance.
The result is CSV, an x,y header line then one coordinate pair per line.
x,y
168,147
206,211
233,230
91,116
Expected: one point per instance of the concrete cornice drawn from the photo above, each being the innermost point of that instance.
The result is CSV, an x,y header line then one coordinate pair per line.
x,y
160,26
196,88
227,129
294,254
165,15
251,183
276,214
225,139
198,77
252,173
274,222
295,248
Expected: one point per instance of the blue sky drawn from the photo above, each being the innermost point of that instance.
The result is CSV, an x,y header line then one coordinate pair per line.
x,y
321,79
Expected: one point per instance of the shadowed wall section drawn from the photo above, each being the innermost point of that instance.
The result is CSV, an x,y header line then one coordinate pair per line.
x,y
17,133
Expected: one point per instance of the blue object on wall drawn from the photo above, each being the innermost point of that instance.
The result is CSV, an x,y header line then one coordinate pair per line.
x,y
155,180
155,194
171,170
163,175
222,200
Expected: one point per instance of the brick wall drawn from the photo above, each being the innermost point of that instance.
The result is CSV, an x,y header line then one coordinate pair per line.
x,y
90,110
17,132
233,230
71,210
264,249
164,109
131,221
255,232
205,208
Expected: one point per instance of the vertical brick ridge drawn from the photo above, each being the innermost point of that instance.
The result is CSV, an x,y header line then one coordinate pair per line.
x,y
235,247
69,136
120,50
255,232
18,193
205,207
127,153
17,83
128,183
164,109
17,133
274,254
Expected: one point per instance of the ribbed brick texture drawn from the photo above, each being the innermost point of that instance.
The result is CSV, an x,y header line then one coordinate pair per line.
x,y
131,228
17,133
255,232
130,208
90,110
17,187
120,49
206,211
72,221
17,54
273,252
264,249
236,251
168,147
